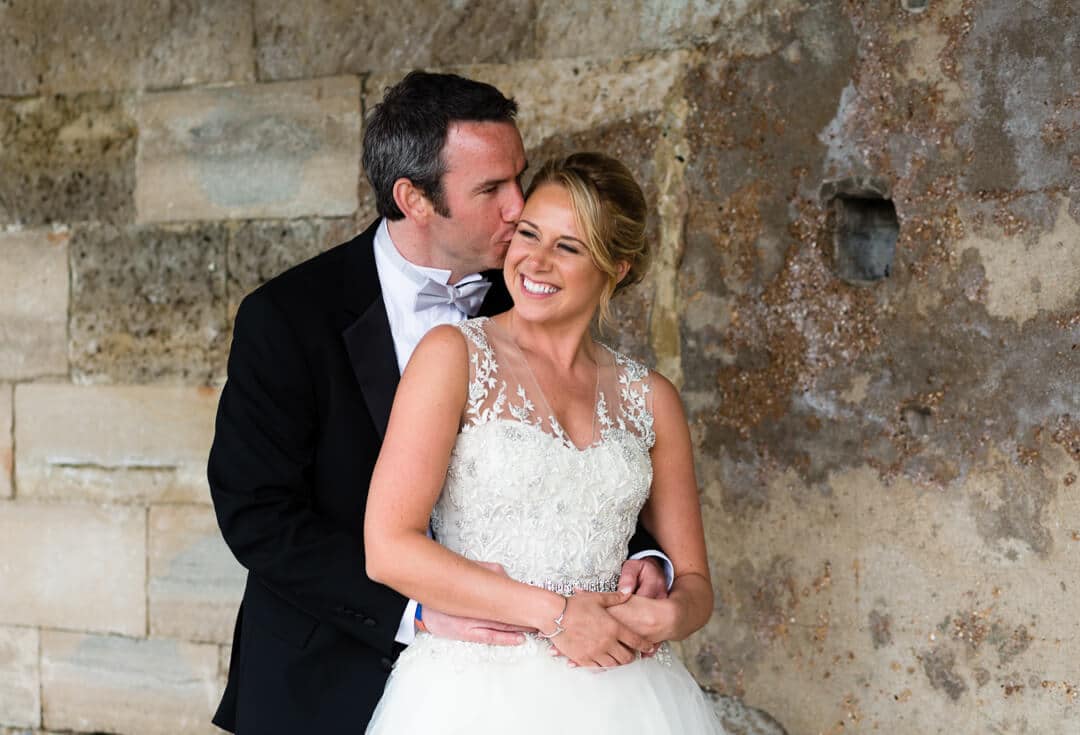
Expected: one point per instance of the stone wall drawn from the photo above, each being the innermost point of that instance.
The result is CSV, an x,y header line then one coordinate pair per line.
x,y
888,461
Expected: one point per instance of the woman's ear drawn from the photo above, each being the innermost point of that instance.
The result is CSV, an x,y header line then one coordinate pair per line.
x,y
412,202
622,267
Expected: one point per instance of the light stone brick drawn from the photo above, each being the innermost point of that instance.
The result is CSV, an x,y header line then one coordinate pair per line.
x,y
114,684
259,151
6,437
123,443
33,304
195,582
20,686
73,566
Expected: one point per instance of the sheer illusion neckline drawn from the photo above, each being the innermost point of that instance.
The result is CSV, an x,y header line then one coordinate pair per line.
x,y
557,425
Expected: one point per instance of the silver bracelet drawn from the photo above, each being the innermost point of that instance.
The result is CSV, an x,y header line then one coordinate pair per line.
x,y
558,622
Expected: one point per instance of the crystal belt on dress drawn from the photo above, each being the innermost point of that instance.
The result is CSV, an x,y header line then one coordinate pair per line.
x,y
566,587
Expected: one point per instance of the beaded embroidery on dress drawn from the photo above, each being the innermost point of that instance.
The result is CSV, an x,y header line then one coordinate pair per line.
x,y
520,492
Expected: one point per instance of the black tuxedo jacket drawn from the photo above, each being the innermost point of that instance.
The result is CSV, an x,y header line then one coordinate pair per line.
x,y
311,378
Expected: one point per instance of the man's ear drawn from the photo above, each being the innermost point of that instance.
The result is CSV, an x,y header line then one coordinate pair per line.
x,y
411,201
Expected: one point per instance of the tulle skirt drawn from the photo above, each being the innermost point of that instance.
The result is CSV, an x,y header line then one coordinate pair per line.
x,y
441,687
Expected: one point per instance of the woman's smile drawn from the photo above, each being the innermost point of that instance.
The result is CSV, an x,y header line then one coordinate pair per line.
x,y
537,288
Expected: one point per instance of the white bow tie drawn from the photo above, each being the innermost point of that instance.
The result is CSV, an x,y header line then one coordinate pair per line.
x,y
466,297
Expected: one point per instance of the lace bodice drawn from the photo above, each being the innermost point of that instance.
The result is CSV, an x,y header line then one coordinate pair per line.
x,y
520,493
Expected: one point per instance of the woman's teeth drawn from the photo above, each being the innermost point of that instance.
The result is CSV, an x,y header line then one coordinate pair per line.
x,y
537,288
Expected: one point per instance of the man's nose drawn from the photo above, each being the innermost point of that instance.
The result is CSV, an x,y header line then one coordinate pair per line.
x,y
514,203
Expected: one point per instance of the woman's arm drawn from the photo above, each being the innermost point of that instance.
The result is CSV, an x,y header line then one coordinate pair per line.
x,y
673,516
406,483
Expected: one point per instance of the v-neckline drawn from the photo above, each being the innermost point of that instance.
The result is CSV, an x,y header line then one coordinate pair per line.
x,y
558,428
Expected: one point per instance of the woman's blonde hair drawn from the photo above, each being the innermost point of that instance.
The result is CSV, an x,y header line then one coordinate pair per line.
x,y
610,210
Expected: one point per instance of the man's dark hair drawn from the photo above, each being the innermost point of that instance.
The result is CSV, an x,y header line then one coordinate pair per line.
x,y
405,133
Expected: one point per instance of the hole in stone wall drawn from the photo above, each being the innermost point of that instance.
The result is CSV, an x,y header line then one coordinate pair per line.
x,y
865,229
915,6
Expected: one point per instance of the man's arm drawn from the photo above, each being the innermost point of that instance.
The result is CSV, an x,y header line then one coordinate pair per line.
x,y
264,443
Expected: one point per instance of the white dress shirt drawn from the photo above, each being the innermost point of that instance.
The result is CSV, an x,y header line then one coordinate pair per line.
x,y
401,281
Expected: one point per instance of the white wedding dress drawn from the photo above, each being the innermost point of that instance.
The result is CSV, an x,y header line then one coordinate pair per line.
x,y
520,493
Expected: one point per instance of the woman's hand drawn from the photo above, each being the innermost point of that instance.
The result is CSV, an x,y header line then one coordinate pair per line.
x,y
592,636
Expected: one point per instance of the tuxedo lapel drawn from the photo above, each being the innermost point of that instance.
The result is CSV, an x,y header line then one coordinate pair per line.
x,y
368,340
498,298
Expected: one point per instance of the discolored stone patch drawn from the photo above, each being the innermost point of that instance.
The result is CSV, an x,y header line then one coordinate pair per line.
x,y
67,160
290,149
752,130
195,584
87,683
349,38
148,303
939,665
1021,124
880,628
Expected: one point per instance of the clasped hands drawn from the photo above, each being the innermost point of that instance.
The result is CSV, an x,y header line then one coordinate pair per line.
x,y
601,629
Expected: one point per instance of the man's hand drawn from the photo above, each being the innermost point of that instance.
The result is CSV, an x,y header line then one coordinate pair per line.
x,y
644,577
472,630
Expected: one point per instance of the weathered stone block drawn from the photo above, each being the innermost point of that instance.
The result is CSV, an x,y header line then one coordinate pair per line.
x,y
59,46
66,160
7,457
283,150
77,567
20,68
604,92
260,250
580,27
112,684
20,685
347,38
195,582
197,43
148,303
33,304
113,443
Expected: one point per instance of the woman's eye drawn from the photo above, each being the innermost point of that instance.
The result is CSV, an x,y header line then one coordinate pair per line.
x,y
527,233
568,248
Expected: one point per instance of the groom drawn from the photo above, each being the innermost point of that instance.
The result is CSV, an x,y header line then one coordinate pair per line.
x,y
315,360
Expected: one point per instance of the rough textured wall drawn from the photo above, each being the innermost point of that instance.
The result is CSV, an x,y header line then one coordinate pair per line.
x,y
888,467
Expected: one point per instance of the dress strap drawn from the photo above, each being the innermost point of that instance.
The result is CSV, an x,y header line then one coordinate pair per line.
x,y
481,406
633,404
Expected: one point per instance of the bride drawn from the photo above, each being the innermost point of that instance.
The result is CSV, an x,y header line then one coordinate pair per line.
x,y
521,440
